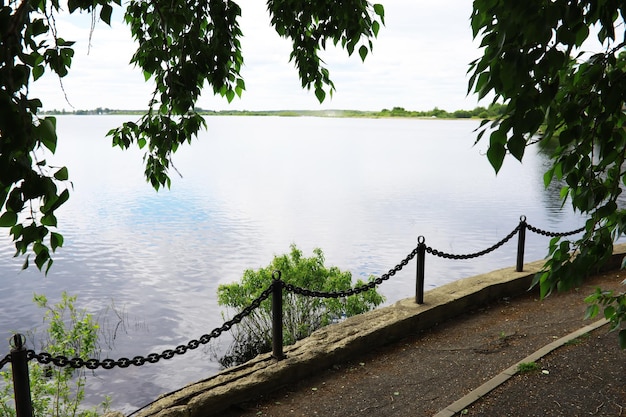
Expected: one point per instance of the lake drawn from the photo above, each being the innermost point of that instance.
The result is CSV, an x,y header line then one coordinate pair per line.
x,y
362,190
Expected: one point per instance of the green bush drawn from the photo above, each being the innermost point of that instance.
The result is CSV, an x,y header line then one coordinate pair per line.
x,y
58,392
301,315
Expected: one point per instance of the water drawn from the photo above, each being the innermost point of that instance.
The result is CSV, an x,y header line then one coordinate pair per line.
x,y
363,190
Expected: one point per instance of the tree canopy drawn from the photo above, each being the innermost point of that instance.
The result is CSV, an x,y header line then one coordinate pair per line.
x,y
559,68
184,46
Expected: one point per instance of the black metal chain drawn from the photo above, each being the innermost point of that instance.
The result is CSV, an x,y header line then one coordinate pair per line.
x,y
5,360
352,291
62,361
554,234
473,255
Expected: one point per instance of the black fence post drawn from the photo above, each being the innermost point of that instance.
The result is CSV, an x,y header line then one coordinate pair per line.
x,y
277,316
521,241
421,256
21,380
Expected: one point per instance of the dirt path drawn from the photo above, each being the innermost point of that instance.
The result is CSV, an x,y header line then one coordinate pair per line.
x,y
426,372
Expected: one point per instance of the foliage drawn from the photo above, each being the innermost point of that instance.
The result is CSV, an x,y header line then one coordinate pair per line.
x,y
494,110
183,46
58,392
614,309
534,61
527,367
301,315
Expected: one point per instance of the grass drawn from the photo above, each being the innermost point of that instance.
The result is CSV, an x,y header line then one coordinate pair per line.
x,y
527,367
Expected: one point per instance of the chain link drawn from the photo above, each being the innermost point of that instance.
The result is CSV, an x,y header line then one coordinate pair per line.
x,y
63,361
5,360
352,291
554,234
473,255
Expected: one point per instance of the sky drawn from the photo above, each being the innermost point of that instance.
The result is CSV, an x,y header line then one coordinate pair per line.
x,y
420,61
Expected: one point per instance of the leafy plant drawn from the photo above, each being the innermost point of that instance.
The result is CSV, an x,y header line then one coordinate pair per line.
x,y
556,87
58,392
301,315
614,309
527,367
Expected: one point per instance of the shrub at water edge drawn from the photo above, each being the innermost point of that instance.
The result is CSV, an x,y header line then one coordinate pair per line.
x,y
301,315
58,392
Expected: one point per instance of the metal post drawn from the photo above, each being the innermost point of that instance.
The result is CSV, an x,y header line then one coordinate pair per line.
x,y
21,381
277,316
521,238
421,256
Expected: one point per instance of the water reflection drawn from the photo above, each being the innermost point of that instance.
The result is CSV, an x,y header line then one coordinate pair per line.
x,y
362,190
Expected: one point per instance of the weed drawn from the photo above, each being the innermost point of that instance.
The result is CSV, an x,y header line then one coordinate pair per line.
x,y
55,391
527,367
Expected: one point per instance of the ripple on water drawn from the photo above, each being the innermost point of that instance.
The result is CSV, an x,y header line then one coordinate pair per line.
x,y
362,190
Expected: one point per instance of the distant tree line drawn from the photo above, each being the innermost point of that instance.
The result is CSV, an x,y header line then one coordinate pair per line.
x,y
494,110
96,111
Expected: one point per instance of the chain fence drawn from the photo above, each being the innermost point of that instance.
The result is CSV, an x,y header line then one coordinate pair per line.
x,y
274,291
352,291
554,234
440,254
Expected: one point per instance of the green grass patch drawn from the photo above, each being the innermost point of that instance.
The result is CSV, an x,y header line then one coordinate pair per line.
x,y
527,367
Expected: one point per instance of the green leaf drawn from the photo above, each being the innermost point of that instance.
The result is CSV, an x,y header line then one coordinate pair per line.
x,y
63,197
363,52
609,312
238,91
41,255
38,71
547,177
56,240
379,9
533,120
320,94
40,260
375,27
61,174
230,95
516,146
49,220
496,151
481,85
8,219
50,262
105,13
582,32
47,133
536,279
622,338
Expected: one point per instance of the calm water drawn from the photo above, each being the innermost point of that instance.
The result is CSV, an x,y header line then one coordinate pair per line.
x,y
362,190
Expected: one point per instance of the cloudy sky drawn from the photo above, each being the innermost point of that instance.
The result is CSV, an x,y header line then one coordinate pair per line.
x,y
420,61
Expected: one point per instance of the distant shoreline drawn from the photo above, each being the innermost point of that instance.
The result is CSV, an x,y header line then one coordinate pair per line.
x,y
397,112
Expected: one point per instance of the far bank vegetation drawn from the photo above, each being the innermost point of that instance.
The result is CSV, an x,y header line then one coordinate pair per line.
x,y
491,112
